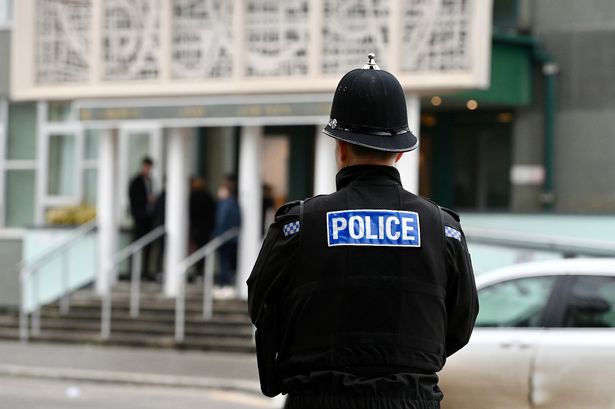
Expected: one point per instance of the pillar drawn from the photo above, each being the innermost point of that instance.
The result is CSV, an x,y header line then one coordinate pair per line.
x,y
176,208
325,168
408,166
106,204
251,202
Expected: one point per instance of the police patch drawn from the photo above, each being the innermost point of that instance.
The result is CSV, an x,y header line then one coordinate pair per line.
x,y
452,233
291,228
365,227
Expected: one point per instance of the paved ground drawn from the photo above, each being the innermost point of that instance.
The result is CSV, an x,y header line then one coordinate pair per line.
x,y
50,376
28,393
159,367
164,362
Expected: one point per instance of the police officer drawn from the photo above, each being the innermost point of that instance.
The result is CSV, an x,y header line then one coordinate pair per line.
x,y
358,297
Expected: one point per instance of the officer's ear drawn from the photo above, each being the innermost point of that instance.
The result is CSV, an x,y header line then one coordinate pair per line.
x,y
398,157
341,153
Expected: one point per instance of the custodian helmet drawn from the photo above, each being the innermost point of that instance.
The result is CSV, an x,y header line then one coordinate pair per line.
x,y
369,109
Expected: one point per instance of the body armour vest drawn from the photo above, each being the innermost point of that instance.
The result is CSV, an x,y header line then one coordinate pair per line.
x,y
369,283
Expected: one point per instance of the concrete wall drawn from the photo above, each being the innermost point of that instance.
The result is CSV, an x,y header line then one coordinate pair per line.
x,y
573,15
527,149
10,255
580,35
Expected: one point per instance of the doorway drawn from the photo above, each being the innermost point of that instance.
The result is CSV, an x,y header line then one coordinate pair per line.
x,y
466,159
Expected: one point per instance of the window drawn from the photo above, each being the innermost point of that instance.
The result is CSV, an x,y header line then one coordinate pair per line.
x,y
91,145
467,162
90,166
61,165
89,187
514,303
19,196
505,15
17,164
591,303
21,141
59,111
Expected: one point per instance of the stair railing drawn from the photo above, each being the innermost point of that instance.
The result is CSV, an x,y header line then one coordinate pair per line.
x,y
207,252
29,269
134,250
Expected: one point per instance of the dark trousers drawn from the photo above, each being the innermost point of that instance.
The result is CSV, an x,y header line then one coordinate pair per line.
x,y
142,227
228,263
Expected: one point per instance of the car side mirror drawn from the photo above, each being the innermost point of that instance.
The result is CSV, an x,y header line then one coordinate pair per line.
x,y
590,305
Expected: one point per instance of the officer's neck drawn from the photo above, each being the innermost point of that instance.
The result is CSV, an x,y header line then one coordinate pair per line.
x,y
356,161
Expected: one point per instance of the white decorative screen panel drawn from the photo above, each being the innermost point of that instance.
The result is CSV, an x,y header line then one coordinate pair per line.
x,y
131,39
130,48
277,37
436,35
61,41
351,30
202,45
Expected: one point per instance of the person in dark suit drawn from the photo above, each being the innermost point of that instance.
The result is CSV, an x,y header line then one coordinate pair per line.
x,y
202,219
141,195
202,213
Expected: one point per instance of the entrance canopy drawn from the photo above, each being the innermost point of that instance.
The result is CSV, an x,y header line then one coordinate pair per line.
x,y
207,111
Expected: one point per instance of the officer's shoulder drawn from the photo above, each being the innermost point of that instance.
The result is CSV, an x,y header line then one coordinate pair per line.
x,y
448,215
293,208
288,209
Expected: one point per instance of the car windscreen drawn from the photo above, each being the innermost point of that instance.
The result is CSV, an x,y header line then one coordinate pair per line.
x,y
514,303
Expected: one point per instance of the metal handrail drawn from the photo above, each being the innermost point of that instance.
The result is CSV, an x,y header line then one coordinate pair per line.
x,y
205,251
133,249
539,242
30,267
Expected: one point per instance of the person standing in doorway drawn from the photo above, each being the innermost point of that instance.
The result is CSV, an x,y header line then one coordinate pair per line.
x,y
201,216
202,213
228,216
141,195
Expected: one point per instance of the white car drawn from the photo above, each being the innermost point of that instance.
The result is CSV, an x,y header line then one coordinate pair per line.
x,y
544,338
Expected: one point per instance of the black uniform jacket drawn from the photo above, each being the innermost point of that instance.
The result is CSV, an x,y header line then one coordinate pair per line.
x,y
138,192
361,325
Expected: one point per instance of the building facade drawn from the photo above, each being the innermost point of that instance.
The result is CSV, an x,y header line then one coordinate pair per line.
x,y
539,139
209,88
205,88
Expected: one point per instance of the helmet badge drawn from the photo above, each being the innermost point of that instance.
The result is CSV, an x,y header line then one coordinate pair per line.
x,y
371,62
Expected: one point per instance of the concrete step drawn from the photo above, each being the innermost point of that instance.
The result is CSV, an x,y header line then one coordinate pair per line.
x,y
121,314
192,343
138,326
151,308
149,287
221,307
229,329
124,316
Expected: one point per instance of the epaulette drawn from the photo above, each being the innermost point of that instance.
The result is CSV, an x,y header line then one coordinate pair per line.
x,y
451,212
285,208
288,207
